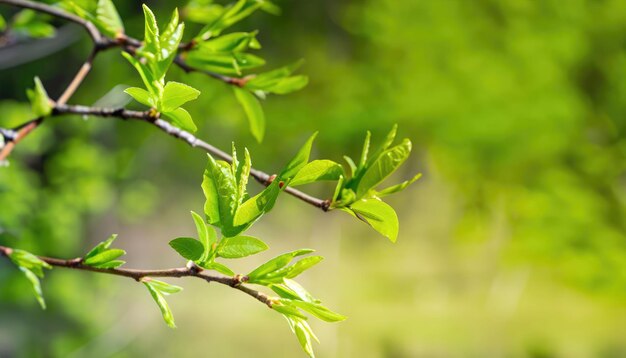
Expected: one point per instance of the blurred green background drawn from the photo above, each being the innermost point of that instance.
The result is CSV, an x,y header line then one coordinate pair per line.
x,y
512,244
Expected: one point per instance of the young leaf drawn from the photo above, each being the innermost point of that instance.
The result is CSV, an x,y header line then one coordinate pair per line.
x,y
155,87
299,160
266,80
240,246
303,332
383,167
303,265
211,205
176,94
301,293
181,119
319,311
219,268
39,101
104,257
34,280
234,42
164,287
317,170
151,36
398,187
110,264
258,274
253,208
142,96
386,143
253,110
156,289
242,174
108,18
104,245
32,267
366,148
188,248
288,309
206,235
378,215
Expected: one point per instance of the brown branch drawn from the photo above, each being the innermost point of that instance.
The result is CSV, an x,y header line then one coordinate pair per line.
x,y
137,275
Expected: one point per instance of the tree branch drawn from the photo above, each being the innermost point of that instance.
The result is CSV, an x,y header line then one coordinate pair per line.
x,y
137,275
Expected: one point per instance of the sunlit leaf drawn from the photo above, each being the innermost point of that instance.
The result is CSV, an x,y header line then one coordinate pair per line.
x,y
176,94
317,170
240,246
378,215
188,248
108,18
142,96
181,119
39,101
384,166
253,110
299,160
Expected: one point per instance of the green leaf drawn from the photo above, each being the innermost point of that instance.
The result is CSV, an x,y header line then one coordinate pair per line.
x,y
299,160
303,332
157,295
384,166
142,96
39,101
151,36
153,86
353,167
102,246
366,148
232,64
252,209
211,205
170,39
338,188
287,309
278,262
301,293
108,18
319,311
225,183
219,268
267,80
110,264
29,261
398,187
181,119
240,246
32,267
242,174
104,257
176,94
234,42
188,248
386,143
317,170
378,215
253,110
303,265
206,235
34,280
164,287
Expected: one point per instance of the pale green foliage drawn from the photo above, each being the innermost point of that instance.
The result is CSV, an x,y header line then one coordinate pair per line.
x,y
32,267
39,101
102,256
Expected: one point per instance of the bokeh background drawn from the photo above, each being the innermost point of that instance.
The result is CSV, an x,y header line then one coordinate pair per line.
x,y
512,244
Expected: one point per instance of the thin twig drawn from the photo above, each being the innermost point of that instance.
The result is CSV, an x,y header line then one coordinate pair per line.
x,y
137,275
